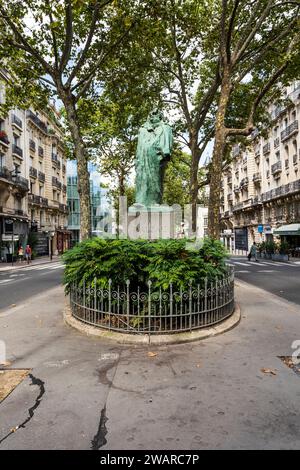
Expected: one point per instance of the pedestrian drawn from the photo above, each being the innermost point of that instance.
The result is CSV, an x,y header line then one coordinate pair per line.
x,y
253,252
20,254
28,253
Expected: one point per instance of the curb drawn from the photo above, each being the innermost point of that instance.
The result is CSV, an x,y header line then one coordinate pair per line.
x,y
175,338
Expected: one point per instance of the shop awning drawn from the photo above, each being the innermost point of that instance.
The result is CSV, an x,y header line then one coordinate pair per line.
x,y
291,229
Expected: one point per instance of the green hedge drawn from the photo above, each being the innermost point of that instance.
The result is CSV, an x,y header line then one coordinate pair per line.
x,y
163,262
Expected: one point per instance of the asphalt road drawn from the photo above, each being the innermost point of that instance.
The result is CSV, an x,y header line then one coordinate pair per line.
x,y
18,285
282,279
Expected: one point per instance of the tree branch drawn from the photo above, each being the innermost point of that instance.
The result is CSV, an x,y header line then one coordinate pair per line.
x,y
69,36
24,42
78,66
55,49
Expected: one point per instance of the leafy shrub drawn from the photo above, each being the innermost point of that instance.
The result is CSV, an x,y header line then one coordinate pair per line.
x,y
163,262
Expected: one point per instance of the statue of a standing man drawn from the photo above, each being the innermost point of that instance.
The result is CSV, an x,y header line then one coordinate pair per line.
x,y
155,142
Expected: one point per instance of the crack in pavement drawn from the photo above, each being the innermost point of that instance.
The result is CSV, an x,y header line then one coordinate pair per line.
x,y
99,439
40,384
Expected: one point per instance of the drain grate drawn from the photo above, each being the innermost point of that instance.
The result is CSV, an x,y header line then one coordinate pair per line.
x,y
288,361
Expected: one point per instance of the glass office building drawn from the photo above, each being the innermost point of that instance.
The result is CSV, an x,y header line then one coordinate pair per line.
x,y
99,203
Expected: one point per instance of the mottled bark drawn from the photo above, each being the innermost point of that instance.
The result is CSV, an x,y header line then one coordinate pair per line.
x,y
82,167
218,152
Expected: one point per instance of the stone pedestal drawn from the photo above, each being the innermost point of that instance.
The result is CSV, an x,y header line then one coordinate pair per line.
x,y
151,223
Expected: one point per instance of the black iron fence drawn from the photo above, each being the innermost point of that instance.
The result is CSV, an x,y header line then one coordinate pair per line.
x,y
153,311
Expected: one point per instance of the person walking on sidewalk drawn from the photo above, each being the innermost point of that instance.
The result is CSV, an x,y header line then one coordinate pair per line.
x,y
253,252
20,254
28,253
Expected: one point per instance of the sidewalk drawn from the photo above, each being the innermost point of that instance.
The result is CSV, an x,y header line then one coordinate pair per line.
x,y
37,261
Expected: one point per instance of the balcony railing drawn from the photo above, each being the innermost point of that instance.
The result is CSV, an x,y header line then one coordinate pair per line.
x,y
238,206
37,121
44,201
244,182
63,208
290,130
33,172
4,138
256,178
276,142
17,121
276,168
5,173
256,200
54,157
55,182
21,182
41,176
63,167
17,150
32,145
34,199
266,148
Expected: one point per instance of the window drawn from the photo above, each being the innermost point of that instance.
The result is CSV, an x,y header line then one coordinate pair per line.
x,y
205,221
2,160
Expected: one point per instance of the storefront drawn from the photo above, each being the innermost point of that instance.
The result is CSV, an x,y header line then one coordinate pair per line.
x,y
290,234
13,233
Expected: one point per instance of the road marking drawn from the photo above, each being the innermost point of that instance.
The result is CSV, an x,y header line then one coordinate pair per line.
x,y
242,271
267,271
241,264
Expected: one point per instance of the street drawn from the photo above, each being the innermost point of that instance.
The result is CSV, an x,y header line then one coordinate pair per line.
x,y
90,393
17,285
282,279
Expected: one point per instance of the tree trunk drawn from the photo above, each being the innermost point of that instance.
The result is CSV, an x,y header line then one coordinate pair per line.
x,y
194,184
82,168
217,159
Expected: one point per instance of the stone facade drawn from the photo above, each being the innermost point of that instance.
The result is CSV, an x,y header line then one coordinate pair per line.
x,y
32,180
261,187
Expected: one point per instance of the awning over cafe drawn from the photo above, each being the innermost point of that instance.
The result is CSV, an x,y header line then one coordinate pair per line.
x,y
291,229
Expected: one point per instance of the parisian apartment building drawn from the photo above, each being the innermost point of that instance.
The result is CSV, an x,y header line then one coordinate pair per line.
x,y
261,186
33,190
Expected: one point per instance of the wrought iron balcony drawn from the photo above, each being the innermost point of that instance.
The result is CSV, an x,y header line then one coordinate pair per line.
x,y
276,142
32,145
41,176
33,172
256,178
290,130
244,182
54,157
41,152
37,121
55,182
5,173
17,150
266,148
44,201
4,138
17,121
276,168
63,208
34,199
21,182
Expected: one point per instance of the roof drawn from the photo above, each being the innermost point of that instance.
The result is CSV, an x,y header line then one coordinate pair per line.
x,y
291,229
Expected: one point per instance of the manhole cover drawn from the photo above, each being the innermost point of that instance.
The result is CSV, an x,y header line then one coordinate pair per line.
x,y
288,360
9,379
